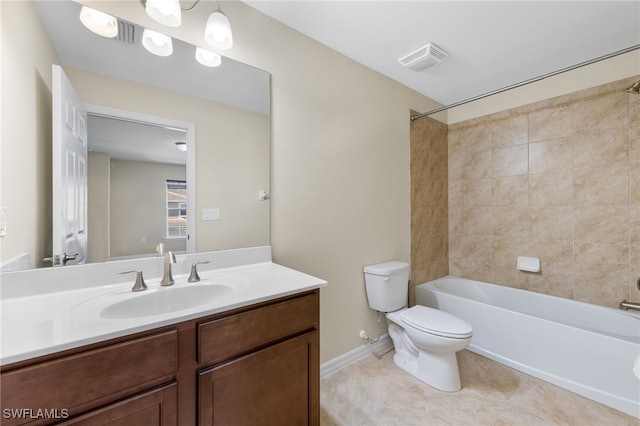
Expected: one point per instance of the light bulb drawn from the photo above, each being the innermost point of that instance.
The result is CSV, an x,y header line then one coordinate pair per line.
x,y
99,22
218,31
207,57
166,12
156,43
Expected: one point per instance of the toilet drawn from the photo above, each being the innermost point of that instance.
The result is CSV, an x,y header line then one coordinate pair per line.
x,y
426,340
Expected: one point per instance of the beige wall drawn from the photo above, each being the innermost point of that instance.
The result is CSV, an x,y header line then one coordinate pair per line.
x,y
558,180
138,200
98,189
25,132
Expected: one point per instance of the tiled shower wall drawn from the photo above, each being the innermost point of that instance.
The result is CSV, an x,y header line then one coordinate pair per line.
x,y
429,228
558,180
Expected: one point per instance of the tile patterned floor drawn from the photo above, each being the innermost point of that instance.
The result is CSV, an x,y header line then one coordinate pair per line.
x,y
373,391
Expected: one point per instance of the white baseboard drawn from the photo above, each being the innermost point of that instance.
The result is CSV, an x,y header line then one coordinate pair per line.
x,y
338,363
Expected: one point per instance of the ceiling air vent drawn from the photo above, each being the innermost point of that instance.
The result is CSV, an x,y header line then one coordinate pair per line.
x,y
424,57
126,32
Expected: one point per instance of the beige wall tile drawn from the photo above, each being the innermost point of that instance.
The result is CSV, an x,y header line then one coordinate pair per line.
x,y
634,225
607,148
551,223
602,224
509,161
558,285
550,123
510,221
510,191
476,192
599,292
601,187
602,262
430,194
477,221
634,273
551,155
477,165
551,189
556,256
569,194
602,112
510,131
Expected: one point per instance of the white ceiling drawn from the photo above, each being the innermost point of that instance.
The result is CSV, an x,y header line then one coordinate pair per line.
x,y
491,44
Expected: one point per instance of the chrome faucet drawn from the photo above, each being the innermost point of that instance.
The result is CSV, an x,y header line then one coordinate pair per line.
x,y
194,277
139,285
629,305
169,258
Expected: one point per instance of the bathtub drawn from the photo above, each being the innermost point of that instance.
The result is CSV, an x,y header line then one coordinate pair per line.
x,y
591,350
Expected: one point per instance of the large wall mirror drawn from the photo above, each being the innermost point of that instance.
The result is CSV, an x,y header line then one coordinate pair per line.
x,y
178,152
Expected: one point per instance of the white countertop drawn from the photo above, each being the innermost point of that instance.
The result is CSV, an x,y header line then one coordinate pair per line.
x,y
40,324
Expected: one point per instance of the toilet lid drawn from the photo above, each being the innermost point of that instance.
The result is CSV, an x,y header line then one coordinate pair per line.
x,y
436,322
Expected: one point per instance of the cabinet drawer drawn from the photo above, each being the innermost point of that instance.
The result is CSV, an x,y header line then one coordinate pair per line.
x,y
82,381
154,407
228,337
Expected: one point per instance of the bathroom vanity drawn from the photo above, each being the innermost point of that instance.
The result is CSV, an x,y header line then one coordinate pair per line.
x,y
245,358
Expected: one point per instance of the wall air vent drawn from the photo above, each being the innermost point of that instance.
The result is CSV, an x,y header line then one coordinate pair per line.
x,y
424,57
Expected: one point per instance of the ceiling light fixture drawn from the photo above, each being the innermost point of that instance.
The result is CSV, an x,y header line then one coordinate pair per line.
x,y
167,12
182,146
207,57
99,22
156,43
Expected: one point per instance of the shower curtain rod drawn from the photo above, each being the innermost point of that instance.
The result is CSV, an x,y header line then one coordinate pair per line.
x,y
522,83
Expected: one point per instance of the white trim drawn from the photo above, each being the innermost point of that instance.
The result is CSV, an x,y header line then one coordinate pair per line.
x,y
336,364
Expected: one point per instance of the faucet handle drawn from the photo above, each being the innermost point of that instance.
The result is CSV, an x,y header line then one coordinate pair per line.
x,y
139,285
194,277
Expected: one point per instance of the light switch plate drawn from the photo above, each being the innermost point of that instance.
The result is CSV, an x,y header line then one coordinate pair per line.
x,y
210,214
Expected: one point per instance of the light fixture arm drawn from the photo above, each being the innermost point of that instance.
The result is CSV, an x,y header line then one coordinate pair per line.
x,y
190,8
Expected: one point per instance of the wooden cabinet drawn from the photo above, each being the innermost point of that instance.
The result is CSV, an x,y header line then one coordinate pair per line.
x,y
61,387
252,365
156,407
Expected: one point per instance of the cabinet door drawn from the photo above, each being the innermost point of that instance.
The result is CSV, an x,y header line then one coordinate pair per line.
x,y
278,385
155,407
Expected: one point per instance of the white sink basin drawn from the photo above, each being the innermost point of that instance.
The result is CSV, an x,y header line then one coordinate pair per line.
x,y
163,301
125,304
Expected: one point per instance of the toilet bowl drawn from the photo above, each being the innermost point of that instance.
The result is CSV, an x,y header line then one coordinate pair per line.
x,y
425,339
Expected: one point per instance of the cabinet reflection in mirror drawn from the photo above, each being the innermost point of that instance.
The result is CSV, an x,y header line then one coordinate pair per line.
x,y
136,195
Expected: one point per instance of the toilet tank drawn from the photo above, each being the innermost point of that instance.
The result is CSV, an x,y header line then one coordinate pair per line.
x,y
387,285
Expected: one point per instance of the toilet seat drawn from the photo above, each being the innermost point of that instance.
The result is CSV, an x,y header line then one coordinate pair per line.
x,y
436,322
